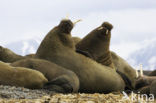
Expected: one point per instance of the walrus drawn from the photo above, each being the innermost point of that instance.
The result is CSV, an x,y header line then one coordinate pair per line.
x,y
76,39
97,43
67,80
146,85
123,67
58,47
153,88
93,46
152,73
146,72
21,77
144,81
6,55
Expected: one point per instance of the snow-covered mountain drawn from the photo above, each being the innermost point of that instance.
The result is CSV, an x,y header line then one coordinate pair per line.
x,y
24,47
145,55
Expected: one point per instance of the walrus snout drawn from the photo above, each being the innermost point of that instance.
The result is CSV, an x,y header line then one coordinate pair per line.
x,y
66,26
107,25
103,30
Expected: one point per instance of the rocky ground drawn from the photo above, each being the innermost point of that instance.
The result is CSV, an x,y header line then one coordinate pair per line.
x,y
11,94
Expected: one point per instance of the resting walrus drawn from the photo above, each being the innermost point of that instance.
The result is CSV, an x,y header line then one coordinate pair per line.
x,y
97,43
152,73
58,47
60,79
19,76
146,85
6,55
93,46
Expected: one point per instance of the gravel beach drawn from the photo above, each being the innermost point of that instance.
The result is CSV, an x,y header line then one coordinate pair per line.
x,y
12,94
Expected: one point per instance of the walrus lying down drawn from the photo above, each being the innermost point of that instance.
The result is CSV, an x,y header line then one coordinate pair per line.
x,y
6,55
59,78
95,45
146,85
20,76
58,47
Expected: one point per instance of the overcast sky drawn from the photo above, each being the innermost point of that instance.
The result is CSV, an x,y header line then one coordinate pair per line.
x,y
134,20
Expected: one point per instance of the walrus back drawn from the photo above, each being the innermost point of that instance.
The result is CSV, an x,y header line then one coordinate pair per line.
x,y
19,76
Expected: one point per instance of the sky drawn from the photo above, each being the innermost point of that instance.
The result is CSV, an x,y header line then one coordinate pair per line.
x,y
133,20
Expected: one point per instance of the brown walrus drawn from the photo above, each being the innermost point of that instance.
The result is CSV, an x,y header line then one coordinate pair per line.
x,y
146,85
76,39
123,67
97,43
93,46
152,73
6,55
60,79
153,88
58,47
20,76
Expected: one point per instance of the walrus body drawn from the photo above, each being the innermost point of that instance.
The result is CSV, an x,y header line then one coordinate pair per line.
x,y
76,40
58,47
52,72
94,45
6,55
122,66
146,85
19,76
97,44
152,73
153,88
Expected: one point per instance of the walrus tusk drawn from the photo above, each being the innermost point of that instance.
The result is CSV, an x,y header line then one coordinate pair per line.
x,y
100,28
141,71
137,74
67,17
77,21
107,32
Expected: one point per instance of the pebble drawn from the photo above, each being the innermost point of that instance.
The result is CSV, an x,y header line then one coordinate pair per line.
x,y
22,93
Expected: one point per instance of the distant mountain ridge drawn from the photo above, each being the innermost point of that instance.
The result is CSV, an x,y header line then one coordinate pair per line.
x,y
145,56
24,47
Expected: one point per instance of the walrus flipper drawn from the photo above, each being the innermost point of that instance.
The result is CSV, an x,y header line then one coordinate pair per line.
x,y
60,85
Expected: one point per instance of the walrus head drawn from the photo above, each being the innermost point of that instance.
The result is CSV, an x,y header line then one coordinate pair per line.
x,y
107,25
66,26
